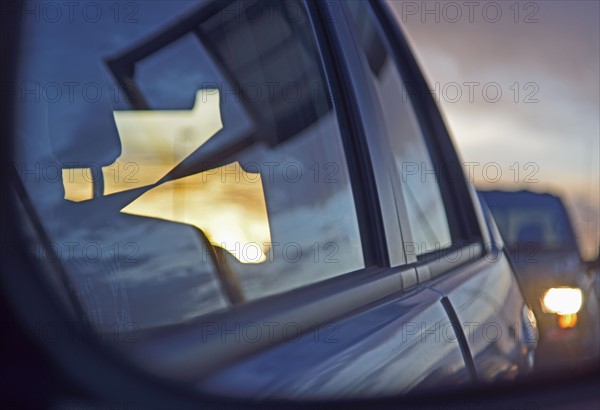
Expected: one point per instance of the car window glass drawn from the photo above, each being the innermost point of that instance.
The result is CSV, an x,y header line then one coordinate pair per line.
x,y
413,164
187,177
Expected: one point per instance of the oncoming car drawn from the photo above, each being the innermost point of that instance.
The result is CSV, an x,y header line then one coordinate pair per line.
x,y
559,285
245,199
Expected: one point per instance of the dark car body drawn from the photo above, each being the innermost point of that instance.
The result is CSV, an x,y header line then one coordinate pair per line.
x,y
538,232
407,317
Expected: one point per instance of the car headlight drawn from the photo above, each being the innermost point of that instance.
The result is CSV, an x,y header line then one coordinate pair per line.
x,y
563,300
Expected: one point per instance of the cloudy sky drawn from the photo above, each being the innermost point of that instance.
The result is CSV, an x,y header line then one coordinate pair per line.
x,y
518,84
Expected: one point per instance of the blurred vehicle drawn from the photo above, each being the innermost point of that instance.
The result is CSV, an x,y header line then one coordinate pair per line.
x,y
559,285
263,212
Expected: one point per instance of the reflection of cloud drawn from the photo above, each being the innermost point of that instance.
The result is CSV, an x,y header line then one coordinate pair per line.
x,y
169,77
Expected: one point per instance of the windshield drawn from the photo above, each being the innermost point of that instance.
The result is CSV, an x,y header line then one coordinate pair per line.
x,y
524,218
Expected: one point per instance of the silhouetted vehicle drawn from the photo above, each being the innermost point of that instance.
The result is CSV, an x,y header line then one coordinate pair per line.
x,y
559,285
260,204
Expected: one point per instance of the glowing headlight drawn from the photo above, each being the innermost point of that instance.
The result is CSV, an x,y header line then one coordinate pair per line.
x,y
563,301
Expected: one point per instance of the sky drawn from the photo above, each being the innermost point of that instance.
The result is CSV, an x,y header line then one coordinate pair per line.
x,y
519,86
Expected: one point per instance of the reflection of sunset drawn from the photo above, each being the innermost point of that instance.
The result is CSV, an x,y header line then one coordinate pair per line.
x,y
154,142
227,204
78,184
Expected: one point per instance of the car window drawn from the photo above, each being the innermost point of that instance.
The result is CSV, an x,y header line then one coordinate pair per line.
x,y
199,161
423,201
